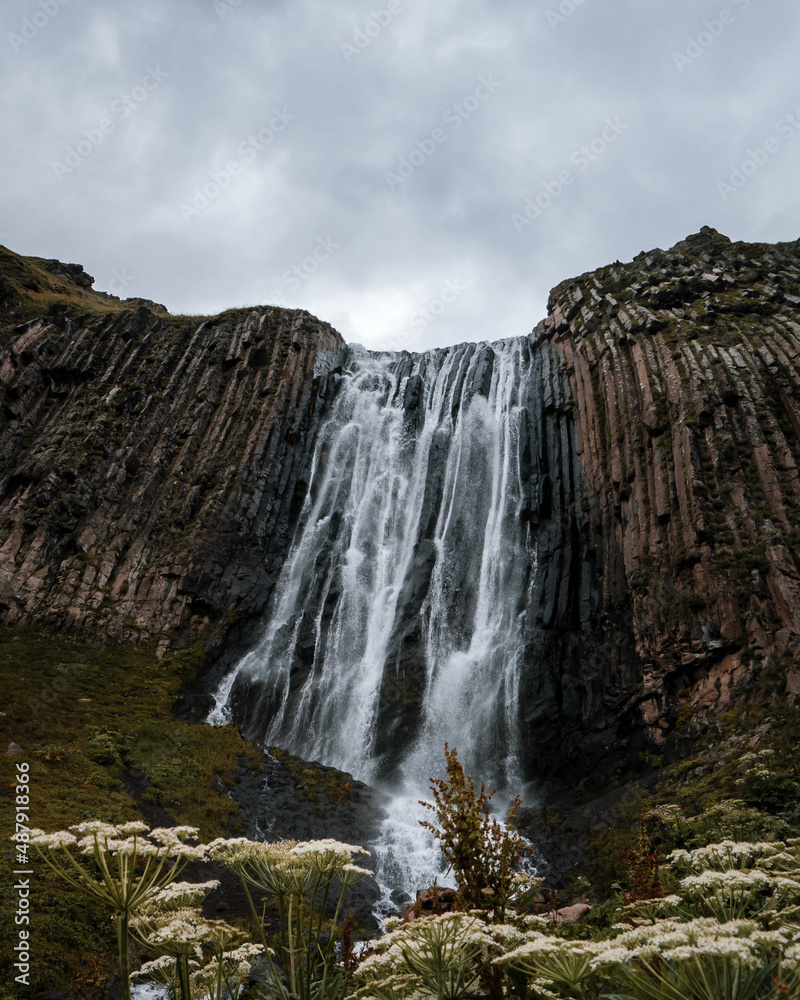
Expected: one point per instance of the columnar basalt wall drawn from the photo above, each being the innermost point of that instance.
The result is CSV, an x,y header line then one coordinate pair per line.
x,y
580,689
684,385
152,466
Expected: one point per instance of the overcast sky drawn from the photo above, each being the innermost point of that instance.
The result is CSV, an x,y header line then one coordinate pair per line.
x,y
374,162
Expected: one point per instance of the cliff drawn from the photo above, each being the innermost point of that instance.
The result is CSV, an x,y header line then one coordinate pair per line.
x,y
153,467
676,384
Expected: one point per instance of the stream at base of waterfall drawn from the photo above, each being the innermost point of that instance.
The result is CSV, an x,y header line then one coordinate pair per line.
x,y
398,622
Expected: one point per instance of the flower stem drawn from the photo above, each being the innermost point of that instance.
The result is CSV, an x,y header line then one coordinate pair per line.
x,y
183,977
121,922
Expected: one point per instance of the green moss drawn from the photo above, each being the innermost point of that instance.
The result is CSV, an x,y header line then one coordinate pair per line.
x,y
684,768
321,784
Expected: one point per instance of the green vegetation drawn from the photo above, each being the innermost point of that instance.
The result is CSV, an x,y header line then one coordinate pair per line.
x,y
702,906
118,868
95,726
719,793
132,870
299,879
484,855
714,920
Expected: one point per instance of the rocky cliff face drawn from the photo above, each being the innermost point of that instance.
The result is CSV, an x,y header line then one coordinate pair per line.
x,y
153,467
678,375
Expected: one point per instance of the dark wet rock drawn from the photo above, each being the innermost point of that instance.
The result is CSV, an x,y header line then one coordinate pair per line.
x,y
481,381
293,799
414,403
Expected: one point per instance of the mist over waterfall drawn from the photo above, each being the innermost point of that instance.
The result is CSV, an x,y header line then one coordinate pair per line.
x,y
399,618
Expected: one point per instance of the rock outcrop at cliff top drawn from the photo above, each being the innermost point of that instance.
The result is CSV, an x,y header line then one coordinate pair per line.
x,y
152,468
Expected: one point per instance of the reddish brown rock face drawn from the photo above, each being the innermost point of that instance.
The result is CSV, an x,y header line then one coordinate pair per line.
x,y
682,369
151,465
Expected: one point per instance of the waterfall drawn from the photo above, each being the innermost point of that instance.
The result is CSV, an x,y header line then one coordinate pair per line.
x,y
398,620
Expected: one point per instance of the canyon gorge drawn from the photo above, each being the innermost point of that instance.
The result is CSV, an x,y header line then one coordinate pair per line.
x,y
568,553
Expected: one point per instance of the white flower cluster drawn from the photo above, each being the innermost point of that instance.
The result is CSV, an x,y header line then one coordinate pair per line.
x,y
758,763
133,838
178,896
289,868
53,841
165,964
328,847
174,933
415,956
234,850
662,950
290,855
676,941
210,949
545,945
725,856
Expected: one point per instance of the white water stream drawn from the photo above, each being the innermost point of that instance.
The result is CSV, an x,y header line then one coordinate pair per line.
x,y
407,579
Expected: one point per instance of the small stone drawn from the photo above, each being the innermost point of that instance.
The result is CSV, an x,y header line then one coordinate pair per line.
x,y
572,914
14,749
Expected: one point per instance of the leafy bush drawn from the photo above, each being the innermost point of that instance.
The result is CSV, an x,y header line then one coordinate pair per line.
x,y
764,787
484,854
105,749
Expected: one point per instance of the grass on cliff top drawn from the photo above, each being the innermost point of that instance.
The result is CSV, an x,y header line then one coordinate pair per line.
x,y
88,718
36,289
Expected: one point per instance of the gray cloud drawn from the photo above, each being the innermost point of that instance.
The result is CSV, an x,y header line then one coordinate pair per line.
x,y
287,127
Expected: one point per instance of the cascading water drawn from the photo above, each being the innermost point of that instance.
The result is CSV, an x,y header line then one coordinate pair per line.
x,y
399,617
